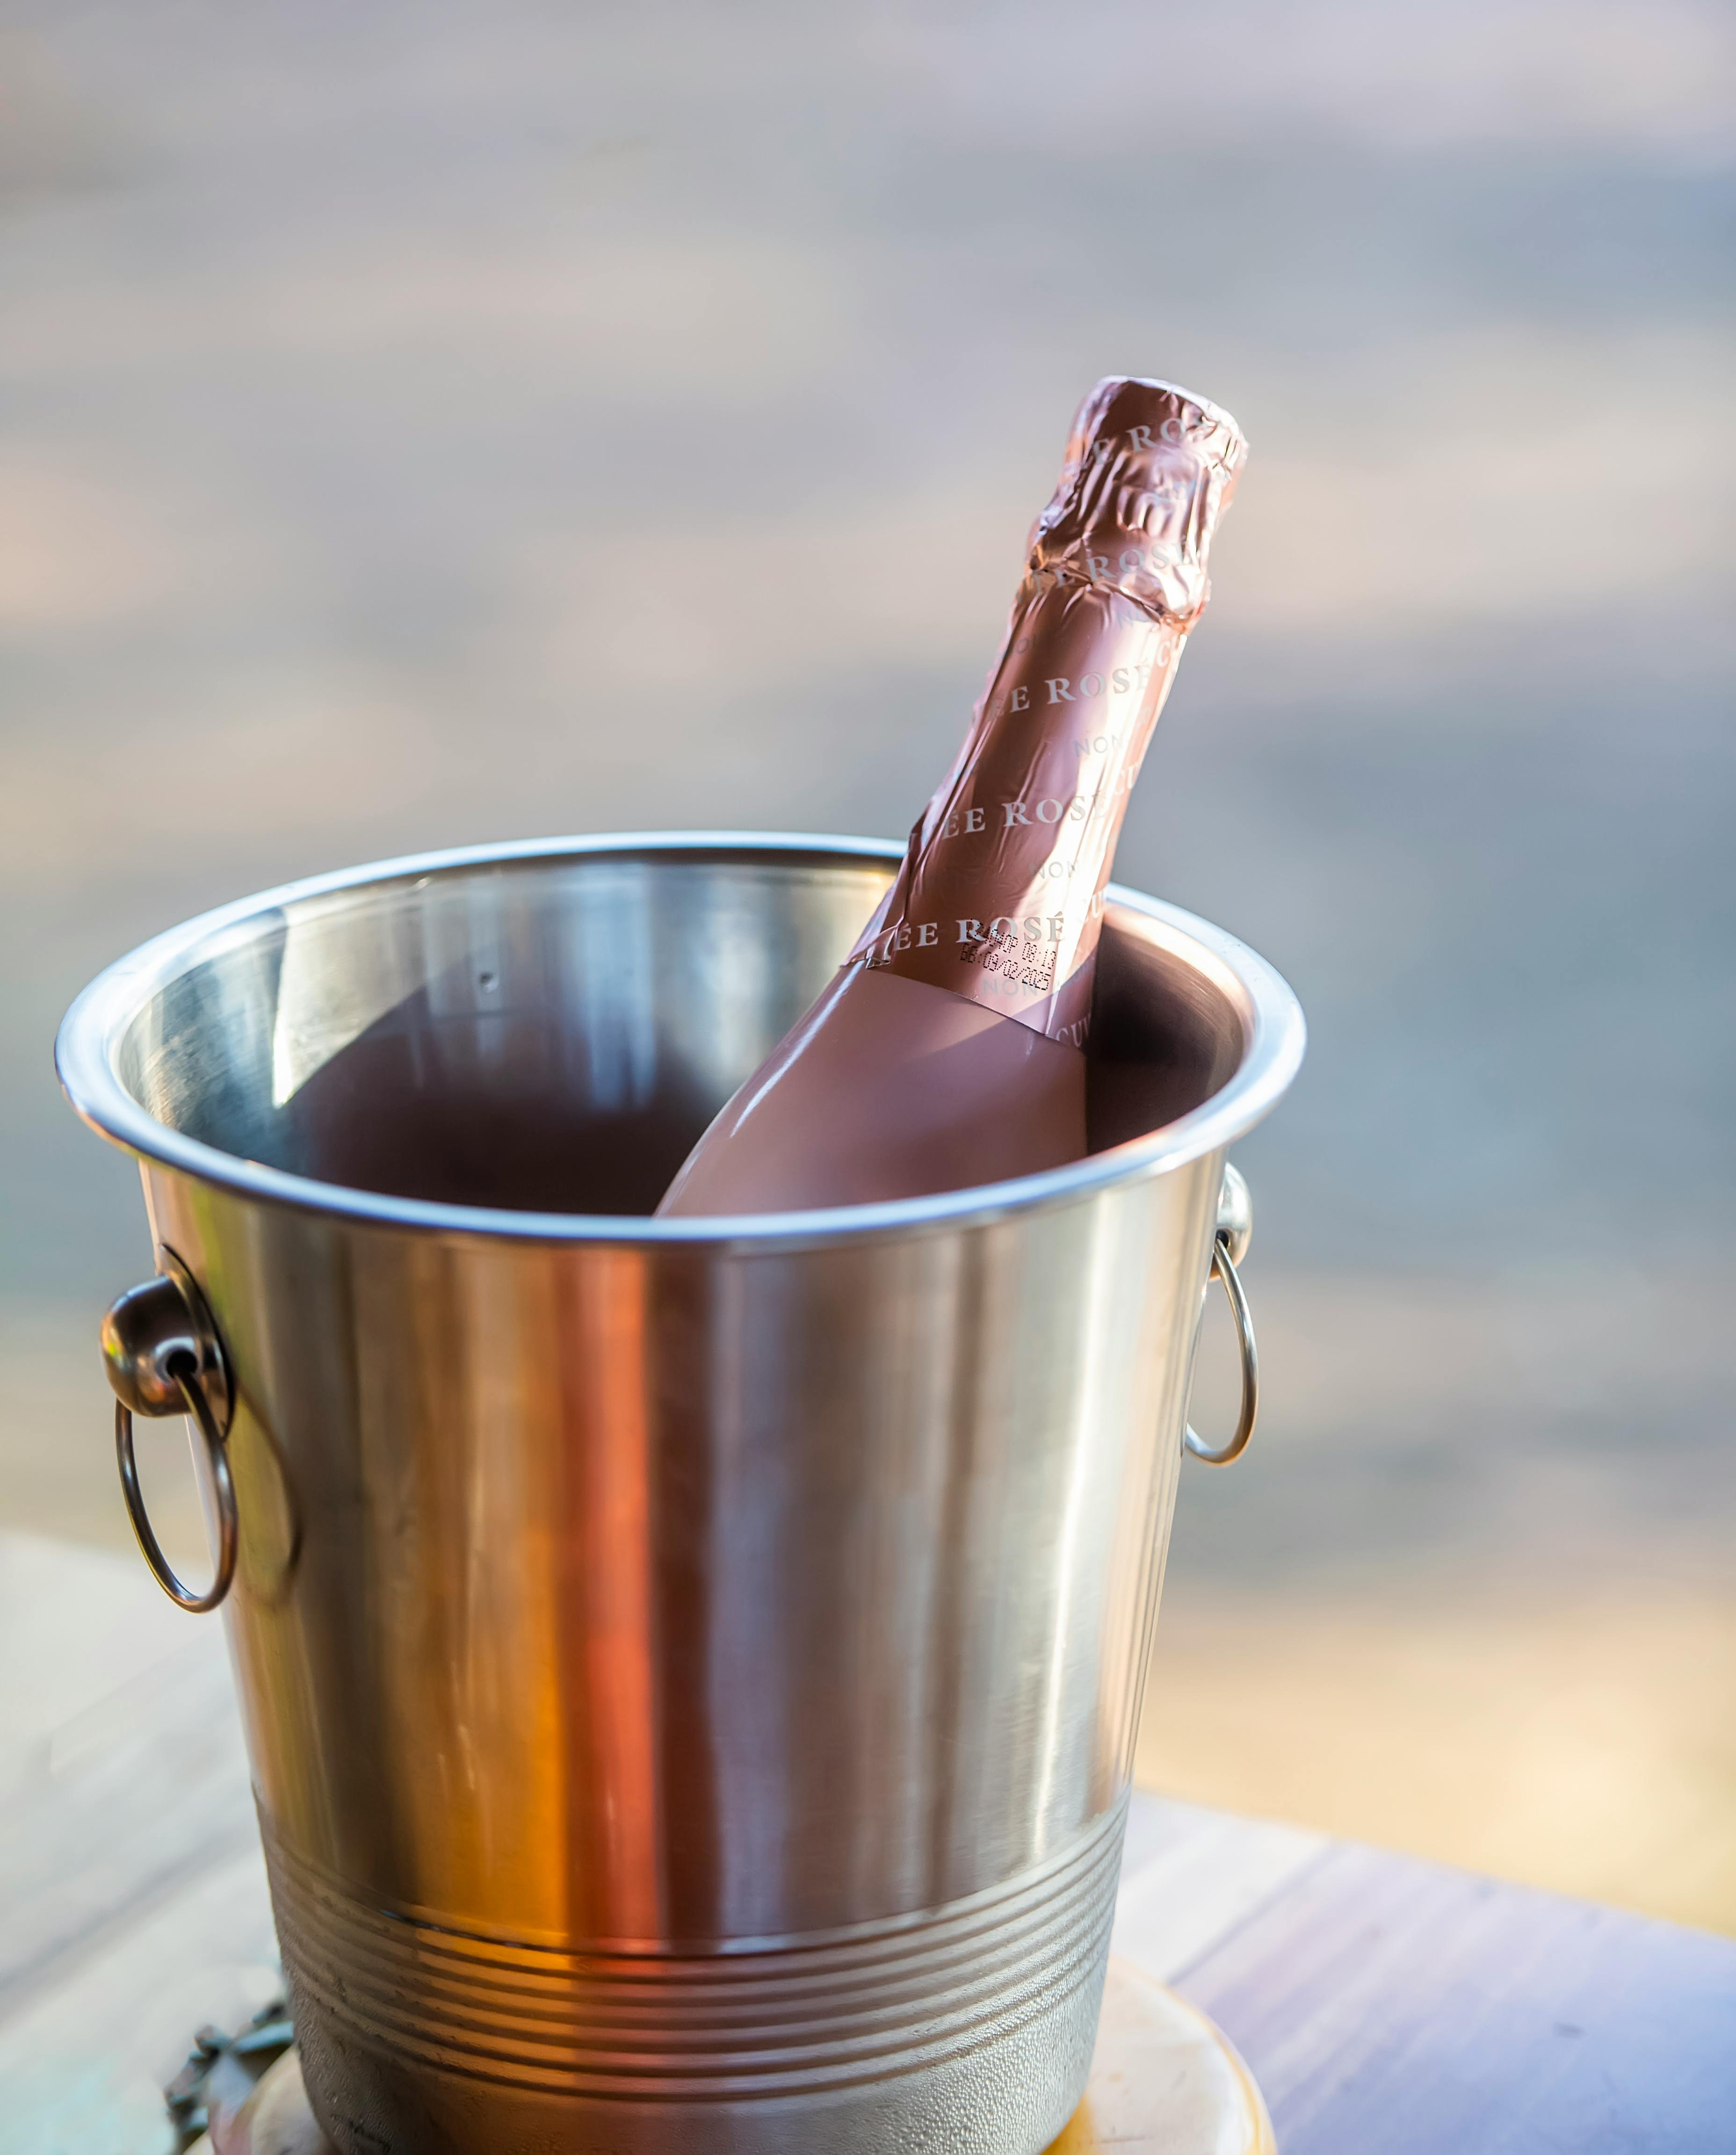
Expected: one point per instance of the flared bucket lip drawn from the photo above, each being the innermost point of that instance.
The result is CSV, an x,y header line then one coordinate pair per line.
x,y
87,1048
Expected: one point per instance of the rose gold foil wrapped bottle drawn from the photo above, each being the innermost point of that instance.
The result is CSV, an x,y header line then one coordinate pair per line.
x,y
948,1049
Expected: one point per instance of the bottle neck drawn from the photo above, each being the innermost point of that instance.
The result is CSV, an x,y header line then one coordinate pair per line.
x,y
1000,894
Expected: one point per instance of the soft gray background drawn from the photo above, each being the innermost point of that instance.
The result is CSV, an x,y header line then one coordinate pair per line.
x,y
427,424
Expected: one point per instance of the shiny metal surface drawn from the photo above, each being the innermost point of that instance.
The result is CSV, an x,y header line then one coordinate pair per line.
x,y
163,1355
197,1601
1223,1267
1235,1214
156,1337
689,1667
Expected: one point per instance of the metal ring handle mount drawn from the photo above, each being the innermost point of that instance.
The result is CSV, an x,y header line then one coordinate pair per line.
x,y
163,1356
1234,1231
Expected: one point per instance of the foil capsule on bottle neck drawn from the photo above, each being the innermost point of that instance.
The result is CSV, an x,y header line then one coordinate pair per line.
x,y
999,895
1150,470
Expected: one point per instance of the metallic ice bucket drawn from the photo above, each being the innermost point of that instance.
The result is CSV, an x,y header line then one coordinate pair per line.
x,y
689,1667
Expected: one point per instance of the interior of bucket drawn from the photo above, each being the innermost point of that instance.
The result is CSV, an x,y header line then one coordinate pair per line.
x,y
553,1033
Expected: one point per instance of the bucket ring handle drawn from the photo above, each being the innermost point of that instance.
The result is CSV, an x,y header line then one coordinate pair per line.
x,y
1234,1231
163,1355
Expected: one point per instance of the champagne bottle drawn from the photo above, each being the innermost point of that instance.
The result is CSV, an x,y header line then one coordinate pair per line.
x,y
950,1048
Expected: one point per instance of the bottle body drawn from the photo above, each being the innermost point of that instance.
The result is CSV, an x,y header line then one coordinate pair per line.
x,y
887,1088
881,1092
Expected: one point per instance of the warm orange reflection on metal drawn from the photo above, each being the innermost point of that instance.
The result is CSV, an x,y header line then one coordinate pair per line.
x,y
608,1621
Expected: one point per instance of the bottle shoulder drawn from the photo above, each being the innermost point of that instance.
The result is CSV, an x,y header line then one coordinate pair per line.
x,y
888,1088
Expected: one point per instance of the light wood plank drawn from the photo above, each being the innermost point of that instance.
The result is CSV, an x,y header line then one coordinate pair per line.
x,y
1388,2004
1189,1876
82,2065
125,1776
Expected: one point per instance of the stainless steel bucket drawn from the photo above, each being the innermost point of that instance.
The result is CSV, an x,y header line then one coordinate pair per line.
x,y
689,1667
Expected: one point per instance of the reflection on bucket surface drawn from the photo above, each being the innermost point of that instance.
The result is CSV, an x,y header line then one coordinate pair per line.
x,y
689,1667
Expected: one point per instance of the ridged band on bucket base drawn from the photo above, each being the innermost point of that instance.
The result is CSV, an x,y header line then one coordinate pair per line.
x,y
966,2032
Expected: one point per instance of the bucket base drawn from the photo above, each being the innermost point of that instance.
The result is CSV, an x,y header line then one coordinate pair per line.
x,y
1164,2082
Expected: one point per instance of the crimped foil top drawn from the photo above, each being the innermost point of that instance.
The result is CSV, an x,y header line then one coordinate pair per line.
x,y
1150,469
1000,897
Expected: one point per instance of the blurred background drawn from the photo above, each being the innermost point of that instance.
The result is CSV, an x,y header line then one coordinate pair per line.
x,y
422,425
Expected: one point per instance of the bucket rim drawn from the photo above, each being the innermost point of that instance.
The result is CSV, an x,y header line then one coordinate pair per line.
x,y
90,1034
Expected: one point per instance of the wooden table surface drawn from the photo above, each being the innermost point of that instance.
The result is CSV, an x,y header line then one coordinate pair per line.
x,y
1386,2006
